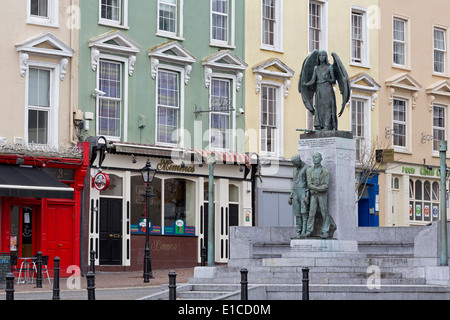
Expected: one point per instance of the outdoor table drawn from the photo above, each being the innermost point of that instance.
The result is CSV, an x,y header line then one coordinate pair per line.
x,y
26,263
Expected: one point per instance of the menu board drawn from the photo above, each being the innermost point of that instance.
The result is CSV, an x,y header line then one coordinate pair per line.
x,y
5,259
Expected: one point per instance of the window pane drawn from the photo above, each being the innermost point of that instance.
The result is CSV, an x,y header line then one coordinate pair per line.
x,y
220,20
167,15
39,88
109,117
179,205
37,127
110,10
39,8
268,21
138,206
110,79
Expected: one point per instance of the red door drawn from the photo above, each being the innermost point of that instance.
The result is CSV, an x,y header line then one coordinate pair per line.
x,y
60,235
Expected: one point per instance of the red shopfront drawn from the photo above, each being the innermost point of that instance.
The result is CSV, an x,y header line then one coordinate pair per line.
x,y
41,206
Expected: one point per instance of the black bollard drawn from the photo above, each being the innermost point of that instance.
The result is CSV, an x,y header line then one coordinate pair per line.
x,y
9,287
305,291
92,261
90,276
203,256
56,278
39,270
244,284
172,285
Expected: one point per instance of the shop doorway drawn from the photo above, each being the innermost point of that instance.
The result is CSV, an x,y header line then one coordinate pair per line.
x,y
110,231
23,230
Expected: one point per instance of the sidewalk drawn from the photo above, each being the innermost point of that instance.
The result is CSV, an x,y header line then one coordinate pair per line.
x,y
112,280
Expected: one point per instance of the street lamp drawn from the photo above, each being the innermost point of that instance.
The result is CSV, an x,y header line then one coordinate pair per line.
x,y
148,174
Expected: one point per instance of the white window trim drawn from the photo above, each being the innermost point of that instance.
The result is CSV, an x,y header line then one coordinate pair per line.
x,y
231,27
436,152
279,150
123,23
54,101
367,122
445,30
407,147
232,129
278,32
181,80
365,56
179,29
407,64
324,37
53,15
124,90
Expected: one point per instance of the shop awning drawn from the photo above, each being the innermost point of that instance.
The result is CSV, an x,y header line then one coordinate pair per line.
x,y
30,182
226,157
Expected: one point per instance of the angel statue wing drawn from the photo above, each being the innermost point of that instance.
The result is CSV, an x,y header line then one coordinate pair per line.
x,y
342,79
306,75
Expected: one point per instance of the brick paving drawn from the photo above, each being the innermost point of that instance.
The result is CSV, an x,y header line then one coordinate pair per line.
x,y
111,280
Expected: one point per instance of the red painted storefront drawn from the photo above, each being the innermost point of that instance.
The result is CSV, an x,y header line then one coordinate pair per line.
x,y
39,223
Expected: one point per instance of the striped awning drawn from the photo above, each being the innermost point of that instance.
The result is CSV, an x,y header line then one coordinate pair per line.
x,y
225,157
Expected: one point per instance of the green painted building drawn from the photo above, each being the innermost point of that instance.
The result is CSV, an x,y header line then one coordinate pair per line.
x,y
164,80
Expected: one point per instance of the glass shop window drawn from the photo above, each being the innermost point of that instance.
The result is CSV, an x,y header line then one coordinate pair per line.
x,y
179,207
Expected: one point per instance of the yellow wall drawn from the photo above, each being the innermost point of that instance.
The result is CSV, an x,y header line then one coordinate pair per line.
x,y
295,50
16,30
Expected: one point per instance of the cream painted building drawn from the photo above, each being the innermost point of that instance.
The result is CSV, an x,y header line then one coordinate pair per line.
x,y
415,100
39,72
279,36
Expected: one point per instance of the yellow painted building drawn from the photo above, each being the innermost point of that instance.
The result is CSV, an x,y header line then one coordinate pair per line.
x,y
414,99
279,36
39,71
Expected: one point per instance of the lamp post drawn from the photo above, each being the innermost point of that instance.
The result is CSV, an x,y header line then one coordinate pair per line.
x,y
443,233
148,174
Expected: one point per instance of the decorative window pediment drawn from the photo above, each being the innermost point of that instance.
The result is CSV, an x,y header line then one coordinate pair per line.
x,y
171,52
403,81
275,69
362,82
440,89
227,61
44,45
114,42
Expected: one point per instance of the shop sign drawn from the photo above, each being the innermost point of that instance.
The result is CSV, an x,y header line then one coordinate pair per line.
x,y
101,181
424,171
168,165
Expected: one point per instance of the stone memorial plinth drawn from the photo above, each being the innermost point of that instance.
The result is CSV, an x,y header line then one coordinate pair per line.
x,y
338,151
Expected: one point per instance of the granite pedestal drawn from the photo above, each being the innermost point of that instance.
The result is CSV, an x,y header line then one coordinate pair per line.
x,y
338,151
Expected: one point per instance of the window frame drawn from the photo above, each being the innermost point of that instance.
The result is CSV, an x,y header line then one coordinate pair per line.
x,y
277,150
180,112
405,42
439,128
442,51
123,16
401,123
178,33
323,39
230,41
52,19
365,38
124,96
52,132
277,44
366,130
229,145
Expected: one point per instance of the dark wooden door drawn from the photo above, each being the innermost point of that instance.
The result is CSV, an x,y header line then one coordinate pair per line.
x,y
110,231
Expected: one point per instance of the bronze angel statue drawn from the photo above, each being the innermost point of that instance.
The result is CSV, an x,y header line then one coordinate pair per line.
x,y
317,79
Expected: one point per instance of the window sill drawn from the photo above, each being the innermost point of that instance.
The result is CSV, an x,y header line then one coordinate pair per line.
x,y
360,65
112,24
169,36
222,45
397,66
271,49
43,23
